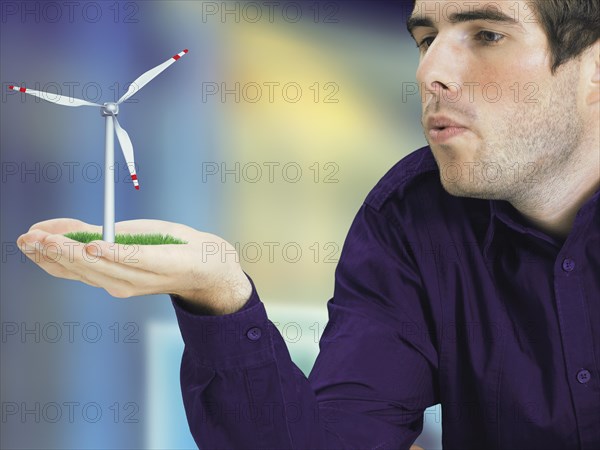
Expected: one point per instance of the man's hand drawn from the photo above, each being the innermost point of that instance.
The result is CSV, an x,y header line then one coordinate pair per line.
x,y
205,273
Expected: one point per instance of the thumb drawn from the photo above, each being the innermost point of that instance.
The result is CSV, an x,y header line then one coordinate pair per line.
x,y
98,248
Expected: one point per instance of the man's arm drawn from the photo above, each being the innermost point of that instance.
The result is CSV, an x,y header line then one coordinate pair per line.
x,y
372,380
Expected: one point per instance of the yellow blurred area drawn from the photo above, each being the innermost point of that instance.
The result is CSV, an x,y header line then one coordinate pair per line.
x,y
336,133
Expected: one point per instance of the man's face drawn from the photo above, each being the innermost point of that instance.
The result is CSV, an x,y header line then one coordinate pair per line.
x,y
521,124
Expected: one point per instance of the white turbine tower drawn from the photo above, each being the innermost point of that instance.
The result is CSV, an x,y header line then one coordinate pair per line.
x,y
110,111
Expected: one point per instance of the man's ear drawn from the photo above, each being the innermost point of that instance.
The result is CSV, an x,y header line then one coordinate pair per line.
x,y
591,73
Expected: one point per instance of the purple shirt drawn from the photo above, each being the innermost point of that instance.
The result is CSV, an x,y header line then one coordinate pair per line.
x,y
437,299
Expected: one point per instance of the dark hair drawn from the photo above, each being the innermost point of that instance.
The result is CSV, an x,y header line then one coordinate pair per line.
x,y
571,26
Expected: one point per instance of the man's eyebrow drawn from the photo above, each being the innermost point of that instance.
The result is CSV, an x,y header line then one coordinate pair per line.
x,y
490,15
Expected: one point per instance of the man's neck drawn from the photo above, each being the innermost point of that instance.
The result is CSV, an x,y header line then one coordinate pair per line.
x,y
552,208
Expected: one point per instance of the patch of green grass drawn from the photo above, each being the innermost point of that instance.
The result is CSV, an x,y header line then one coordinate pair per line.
x,y
127,239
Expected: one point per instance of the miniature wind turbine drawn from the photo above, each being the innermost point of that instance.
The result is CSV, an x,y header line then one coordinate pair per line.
x,y
110,111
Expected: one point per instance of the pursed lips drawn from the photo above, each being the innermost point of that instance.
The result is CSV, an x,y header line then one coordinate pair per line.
x,y
442,128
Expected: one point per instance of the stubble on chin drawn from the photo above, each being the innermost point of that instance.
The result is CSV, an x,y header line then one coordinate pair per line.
x,y
524,153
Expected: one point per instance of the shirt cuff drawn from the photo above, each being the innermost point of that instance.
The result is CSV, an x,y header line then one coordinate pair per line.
x,y
242,338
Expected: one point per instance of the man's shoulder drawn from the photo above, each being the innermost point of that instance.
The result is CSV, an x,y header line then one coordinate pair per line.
x,y
416,172
411,195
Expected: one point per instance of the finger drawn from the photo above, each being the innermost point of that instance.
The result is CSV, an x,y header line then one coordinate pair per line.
x,y
144,269
47,254
49,265
53,267
121,278
123,270
62,226
32,237
118,280
114,287
56,257
153,259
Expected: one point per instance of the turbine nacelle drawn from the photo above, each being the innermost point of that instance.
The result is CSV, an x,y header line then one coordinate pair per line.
x,y
109,109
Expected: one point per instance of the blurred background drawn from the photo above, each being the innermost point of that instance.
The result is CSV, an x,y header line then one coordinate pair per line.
x,y
270,132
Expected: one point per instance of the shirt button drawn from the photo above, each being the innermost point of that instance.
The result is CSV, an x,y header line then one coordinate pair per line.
x,y
568,264
583,376
254,333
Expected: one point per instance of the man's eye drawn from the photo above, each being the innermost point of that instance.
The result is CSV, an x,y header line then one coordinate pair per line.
x,y
425,43
489,37
486,38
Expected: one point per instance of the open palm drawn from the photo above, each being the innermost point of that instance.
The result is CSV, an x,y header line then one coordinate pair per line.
x,y
205,271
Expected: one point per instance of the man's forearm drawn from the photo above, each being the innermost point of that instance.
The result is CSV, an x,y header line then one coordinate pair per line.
x,y
240,387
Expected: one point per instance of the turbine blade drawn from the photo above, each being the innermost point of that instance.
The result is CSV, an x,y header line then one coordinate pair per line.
x,y
54,98
146,77
127,149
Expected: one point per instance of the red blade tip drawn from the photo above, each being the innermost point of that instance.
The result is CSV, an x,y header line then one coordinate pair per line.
x,y
185,51
11,87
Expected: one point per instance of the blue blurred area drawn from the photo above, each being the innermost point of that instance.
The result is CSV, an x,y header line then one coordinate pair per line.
x,y
81,369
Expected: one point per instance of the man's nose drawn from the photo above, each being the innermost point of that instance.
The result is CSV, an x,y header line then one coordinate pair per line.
x,y
442,68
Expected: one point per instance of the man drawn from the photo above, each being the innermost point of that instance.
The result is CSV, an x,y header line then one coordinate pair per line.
x,y
470,276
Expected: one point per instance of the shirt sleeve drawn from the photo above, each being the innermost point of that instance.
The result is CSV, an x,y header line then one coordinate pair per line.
x,y
371,381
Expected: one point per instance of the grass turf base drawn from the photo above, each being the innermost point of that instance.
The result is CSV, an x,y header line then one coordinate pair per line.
x,y
127,239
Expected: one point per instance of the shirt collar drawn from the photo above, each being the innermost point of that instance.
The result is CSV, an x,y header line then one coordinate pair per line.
x,y
503,211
